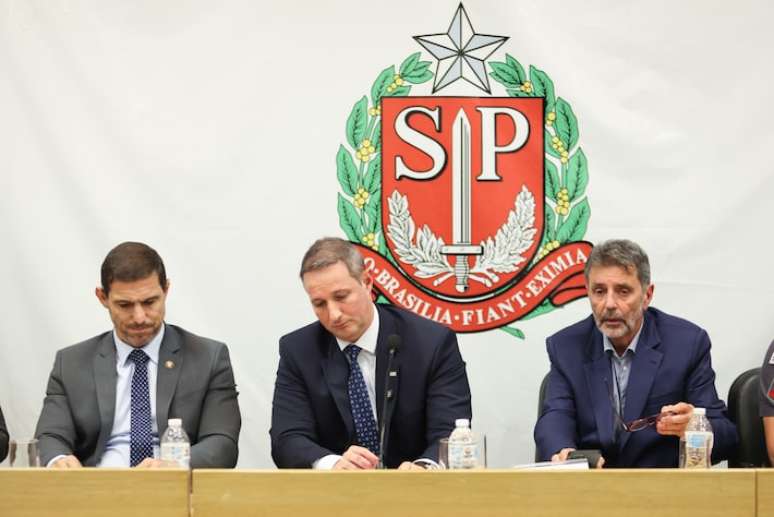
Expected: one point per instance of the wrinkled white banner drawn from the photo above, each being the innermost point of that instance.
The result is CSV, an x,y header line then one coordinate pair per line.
x,y
210,131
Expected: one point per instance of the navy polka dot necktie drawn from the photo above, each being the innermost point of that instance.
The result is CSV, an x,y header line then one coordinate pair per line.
x,y
141,431
362,413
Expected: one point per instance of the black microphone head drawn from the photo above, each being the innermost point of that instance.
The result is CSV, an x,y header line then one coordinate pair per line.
x,y
393,343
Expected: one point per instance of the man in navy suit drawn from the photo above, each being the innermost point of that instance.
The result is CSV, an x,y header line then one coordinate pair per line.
x,y
328,398
625,362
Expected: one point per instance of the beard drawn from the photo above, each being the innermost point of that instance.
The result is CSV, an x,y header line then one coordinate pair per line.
x,y
614,325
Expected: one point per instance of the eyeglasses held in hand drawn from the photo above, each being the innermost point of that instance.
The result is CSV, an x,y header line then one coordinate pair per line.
x,y
641,423
638,424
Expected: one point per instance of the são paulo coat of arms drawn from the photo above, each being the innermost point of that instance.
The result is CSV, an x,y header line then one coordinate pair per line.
x,y
469,210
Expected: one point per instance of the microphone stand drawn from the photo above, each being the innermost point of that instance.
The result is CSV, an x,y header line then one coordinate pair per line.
x,y
388,395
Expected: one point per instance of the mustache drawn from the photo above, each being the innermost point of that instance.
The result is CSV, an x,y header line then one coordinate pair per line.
x,y
611,317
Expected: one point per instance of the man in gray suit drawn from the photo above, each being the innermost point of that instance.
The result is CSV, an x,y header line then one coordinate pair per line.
x,y
109,397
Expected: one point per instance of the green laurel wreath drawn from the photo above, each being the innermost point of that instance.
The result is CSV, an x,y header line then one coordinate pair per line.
x,y
360,206
567,209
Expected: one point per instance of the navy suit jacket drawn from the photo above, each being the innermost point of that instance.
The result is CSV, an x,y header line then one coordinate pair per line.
x,y
672,364
311,415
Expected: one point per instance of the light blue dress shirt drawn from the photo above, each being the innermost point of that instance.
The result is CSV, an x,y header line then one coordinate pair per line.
x,y
621,366
117,447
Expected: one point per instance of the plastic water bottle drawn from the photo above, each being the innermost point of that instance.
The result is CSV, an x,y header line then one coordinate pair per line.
x,y
175,446
696,444
462,446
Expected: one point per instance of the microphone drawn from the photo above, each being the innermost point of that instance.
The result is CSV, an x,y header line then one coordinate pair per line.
x,y
393,344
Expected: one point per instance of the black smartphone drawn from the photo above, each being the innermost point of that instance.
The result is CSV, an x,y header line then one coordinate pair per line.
x,y
590,455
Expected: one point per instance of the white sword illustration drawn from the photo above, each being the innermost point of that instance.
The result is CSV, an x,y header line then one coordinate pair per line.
x,y
461,246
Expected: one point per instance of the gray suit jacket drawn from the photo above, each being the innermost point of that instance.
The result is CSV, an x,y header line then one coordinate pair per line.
x,y
78,411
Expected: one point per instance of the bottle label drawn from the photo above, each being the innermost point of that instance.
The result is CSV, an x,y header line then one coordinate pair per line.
x,y
698,447
463,455
696,439
179,453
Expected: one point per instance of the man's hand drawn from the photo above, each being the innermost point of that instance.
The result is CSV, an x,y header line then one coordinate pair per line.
x,y
561,455
153,463
407,465
356,458
675,424
68,462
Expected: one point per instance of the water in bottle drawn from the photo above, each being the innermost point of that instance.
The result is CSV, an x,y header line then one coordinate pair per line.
x,y
462,446
175,446
696,444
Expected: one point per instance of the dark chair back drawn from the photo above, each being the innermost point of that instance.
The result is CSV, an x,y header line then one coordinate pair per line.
x,y
541,398
743,411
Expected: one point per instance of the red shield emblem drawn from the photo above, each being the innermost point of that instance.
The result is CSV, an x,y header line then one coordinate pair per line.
x,y
462,190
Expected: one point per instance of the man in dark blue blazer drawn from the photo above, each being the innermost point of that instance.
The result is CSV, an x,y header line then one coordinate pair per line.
x,y
625,362
312,414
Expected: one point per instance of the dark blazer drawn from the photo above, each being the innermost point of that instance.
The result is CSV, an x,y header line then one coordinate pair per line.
x,y
78,411
311,415
671,364
3,437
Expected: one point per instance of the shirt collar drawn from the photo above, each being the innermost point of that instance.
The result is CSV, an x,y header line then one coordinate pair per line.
x,y
632,346
368,340
152,349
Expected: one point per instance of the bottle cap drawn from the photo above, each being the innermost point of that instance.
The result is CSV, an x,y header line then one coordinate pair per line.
x,y
175,422
699,411
462,422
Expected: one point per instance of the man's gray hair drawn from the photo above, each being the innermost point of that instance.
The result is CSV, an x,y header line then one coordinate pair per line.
x,y
623,253
329,250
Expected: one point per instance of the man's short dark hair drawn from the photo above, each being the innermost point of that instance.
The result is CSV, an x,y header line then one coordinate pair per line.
x,y
131,261
329,250
623,253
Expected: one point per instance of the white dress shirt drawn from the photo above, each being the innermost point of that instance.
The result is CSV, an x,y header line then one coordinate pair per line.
x,y
366,359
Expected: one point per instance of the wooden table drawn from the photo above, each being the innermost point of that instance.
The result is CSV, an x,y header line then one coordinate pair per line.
x,y
627,493
151,493
765,488
94,492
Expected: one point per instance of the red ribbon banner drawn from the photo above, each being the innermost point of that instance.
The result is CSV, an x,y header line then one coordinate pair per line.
x,y
558,277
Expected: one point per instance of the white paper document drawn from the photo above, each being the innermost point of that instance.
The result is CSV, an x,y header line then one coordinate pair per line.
x,y
579,464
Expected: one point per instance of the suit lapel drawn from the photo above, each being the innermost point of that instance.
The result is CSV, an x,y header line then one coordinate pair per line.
x,y
169,368
105,378
645,365
598,374
336,371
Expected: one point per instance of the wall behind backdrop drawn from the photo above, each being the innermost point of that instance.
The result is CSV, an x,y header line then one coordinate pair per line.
x,y
209,130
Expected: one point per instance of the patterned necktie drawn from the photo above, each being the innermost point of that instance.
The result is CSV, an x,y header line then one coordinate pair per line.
x,y
141,431
362,413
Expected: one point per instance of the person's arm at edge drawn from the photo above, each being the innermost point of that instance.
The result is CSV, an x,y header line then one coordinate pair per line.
x,y
3,437
765,403
768,429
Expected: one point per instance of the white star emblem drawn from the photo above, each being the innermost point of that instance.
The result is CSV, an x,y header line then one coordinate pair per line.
x,y
461,52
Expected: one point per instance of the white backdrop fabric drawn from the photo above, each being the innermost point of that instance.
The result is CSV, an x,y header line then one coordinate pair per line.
x,y
209,130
